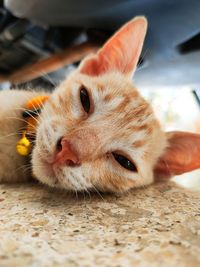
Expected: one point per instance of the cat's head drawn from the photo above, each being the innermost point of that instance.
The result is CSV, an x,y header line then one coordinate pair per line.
x,y
97,132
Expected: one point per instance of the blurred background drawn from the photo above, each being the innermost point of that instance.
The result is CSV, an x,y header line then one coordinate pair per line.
x,y
42,41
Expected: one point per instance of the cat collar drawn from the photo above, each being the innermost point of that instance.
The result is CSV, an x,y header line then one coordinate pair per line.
x,y
30,114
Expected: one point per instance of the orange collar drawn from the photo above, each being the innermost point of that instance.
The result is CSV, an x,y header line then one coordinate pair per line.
x,y
30,114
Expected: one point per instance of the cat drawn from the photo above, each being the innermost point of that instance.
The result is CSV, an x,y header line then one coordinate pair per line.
x,y
96,131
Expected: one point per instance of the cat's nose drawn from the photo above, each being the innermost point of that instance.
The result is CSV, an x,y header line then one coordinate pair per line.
x,y
65,154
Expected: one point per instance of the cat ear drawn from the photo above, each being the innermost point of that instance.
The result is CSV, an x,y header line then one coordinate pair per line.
x,y
120,53
181,155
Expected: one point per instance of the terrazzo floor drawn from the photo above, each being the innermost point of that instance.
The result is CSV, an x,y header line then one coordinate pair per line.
x,y
155,226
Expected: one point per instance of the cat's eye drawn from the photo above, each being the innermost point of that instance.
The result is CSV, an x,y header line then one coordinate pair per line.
x,y
124,162
85,99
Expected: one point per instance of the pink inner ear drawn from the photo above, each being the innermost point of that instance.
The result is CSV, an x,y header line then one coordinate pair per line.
x,y
182,155
120,53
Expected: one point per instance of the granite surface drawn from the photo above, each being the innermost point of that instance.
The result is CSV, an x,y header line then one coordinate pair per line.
x,y
154,226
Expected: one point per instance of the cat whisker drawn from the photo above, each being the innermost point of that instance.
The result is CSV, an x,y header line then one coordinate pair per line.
x,y
45,113
27,167
83,192
32,116
48,78
167,166
18,133
24,109
16,118
45,75
8,135
97,191
88,192
38,115
76,194
20,119
142,58
23,167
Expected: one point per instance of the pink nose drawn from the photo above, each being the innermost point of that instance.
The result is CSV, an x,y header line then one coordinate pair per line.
x,y
65,154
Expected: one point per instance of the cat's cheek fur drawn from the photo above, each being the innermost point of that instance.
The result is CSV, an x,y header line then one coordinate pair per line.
x,y
105,176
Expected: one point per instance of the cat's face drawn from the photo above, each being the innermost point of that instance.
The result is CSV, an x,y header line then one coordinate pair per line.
x,y
97,132
118,122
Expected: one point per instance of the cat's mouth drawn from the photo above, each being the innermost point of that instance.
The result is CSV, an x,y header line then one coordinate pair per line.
x,y
57,176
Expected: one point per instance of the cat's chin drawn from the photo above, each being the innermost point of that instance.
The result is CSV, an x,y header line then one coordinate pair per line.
x,y
43,171
46,176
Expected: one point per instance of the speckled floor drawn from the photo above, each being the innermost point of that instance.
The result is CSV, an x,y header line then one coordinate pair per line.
x,y
156,226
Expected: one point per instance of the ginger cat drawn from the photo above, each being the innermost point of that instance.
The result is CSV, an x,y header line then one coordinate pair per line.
x,y
96,131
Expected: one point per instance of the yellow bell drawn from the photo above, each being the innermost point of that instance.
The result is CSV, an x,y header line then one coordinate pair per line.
x,y
23,147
